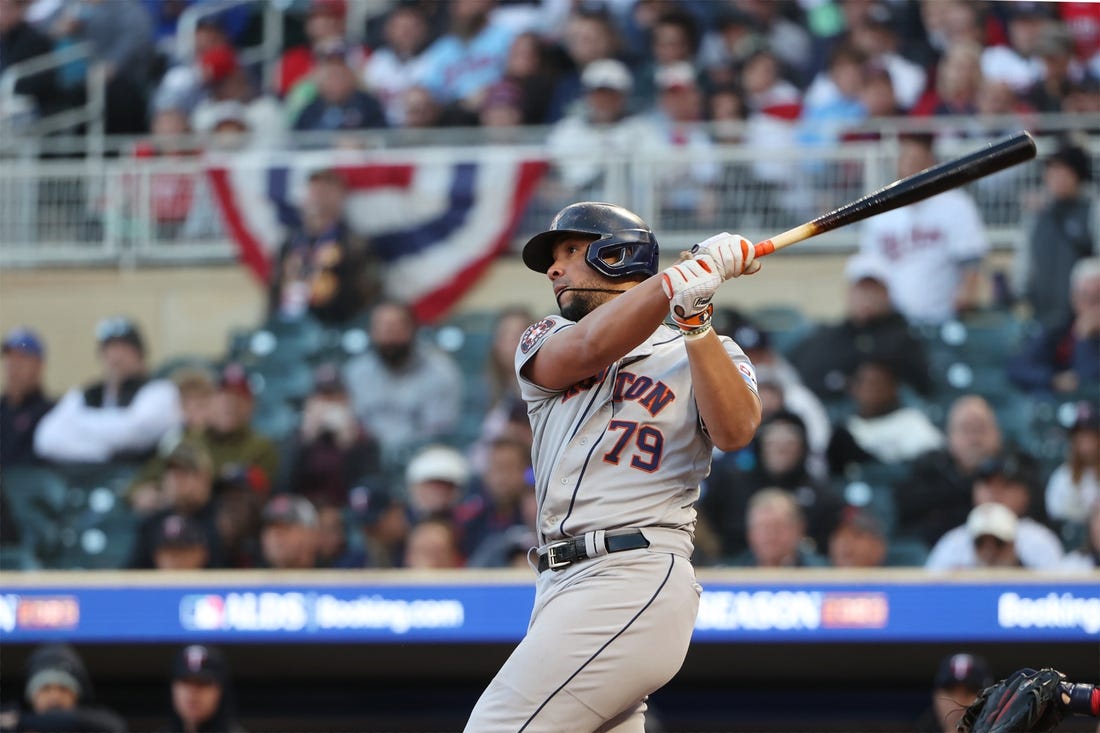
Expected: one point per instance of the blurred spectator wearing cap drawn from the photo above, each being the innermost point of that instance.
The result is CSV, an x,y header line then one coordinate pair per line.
x,y
433,545
326,22
289,537
1064,358
323,268
1017,63
202,692
1010,482
674,39
881,429
230,98
1073,489
406,391
383,522
435,481
341,104
23,42
331,451
462,64
1055,51
122,60
497,495
180,543
182,86
776,532
937,494
827,357
935,247
599,124
590,35
797,397
23,401
782,462
675,129
395,67
188,485
60,696
957,682
1061,234
858,540
876,34
120,417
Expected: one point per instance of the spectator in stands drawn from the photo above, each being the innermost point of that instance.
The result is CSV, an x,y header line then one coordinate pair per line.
x,y
461,65
1011,481
674,131
435,481
782,463
331,451
230,97
433,545
598,125
1073,489
1086,556
832,102
396,66
340,105
959,679
1054,49
776,532
1061,234
183,85
789,38
505,549
120,417
60,696
326,22
1065,358
876,36
590,36
937,495
504,409
496,498
858,540
501,112
530,68
422,112
877,97
949,22
333,547
121,60
406,391
1016,63
289,536
729,38
23,402
170,196
180,544
828,356
383,524
882,429
958,81
323,268
238,522
674,41
202,692
935,247
189,483
22,42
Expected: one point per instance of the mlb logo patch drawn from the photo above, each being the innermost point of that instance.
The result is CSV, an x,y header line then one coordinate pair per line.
x,y
534,334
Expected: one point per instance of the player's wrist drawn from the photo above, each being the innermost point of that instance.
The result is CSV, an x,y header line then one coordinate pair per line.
x,y
695,325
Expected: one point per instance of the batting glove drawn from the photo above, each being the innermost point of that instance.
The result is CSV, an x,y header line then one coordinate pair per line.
x,y
734,254
690,286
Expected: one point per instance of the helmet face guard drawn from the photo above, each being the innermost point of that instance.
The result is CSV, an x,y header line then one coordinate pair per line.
x,y
622,244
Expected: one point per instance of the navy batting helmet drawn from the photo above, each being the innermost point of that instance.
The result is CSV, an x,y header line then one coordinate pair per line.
x,y
622,244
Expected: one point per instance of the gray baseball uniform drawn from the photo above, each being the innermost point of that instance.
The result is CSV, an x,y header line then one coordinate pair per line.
x,y
622,451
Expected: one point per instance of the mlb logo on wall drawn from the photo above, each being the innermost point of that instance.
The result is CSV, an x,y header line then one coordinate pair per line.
x,y
202,612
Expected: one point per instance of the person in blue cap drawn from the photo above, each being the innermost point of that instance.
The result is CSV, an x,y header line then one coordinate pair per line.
x,y
23,401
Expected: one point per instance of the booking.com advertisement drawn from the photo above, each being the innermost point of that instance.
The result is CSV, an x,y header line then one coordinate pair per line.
x,y
499,613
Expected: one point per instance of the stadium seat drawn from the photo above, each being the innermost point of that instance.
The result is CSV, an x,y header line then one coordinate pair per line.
x,y
905,553
785,325
278,379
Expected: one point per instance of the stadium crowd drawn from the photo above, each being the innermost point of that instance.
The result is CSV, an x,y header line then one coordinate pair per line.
x,y
343,433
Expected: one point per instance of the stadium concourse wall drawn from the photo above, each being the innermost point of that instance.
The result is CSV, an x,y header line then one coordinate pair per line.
x,y
800,650
191,310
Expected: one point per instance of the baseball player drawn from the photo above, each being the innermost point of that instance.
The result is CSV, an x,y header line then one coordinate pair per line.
x,y
625,412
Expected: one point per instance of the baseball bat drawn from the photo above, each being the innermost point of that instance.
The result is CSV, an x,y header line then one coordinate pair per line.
x,y
917,187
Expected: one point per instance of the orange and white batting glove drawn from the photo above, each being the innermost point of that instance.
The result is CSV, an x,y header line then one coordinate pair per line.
x,y
690,286
734,254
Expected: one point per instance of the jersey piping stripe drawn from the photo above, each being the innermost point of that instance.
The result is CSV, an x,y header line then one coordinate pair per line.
x,y
580,421
620,632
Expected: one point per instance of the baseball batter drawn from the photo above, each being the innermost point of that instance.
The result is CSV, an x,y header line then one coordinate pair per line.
x,y
625,412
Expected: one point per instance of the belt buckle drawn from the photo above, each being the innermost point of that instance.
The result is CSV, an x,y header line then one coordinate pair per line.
x,y
552,561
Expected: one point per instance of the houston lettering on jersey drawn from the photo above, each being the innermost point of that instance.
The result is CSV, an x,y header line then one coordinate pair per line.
x,y
654,396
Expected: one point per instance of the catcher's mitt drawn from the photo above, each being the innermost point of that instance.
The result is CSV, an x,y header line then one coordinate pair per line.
x,y
1027,700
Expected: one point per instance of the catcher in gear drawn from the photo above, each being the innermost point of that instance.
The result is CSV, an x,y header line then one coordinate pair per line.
x,y
1029,700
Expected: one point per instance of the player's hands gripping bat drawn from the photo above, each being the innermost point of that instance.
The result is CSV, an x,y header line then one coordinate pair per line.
x,y
690,285
734,254
1028,701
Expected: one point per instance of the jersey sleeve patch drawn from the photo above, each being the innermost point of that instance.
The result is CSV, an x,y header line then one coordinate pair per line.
x,y
747,373
534,334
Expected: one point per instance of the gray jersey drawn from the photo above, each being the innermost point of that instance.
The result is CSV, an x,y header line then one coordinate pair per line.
x,y
624,448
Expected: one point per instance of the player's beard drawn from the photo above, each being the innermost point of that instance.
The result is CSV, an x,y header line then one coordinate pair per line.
x,y
583,301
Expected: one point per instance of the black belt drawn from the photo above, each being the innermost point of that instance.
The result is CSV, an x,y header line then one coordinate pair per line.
x,y
562,554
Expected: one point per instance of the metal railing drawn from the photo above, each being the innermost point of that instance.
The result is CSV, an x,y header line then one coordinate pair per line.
x,y
135,211
265,54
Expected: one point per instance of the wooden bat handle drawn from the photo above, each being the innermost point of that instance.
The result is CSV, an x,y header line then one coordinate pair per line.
x,y
779,241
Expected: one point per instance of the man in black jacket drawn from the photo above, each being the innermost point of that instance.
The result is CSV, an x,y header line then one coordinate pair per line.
x,y
20,41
